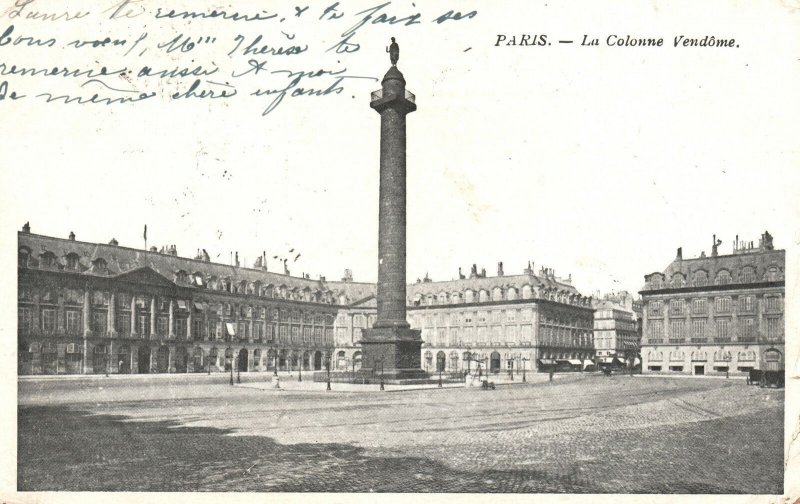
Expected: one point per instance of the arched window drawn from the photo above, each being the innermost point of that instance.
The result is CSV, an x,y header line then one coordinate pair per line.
x,y
656,282
72,261
748,275
47,259
772,274
23,257
511,294
723,277
700,278
527,292
677,280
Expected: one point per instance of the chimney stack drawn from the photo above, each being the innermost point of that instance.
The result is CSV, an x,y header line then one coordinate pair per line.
x,y
680,253
72,236
26,228
237,258
500,268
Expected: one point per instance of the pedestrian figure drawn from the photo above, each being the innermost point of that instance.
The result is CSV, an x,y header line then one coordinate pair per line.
x,y
551,375
119,369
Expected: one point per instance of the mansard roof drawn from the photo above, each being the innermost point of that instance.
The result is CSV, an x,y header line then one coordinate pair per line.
x,y
488,284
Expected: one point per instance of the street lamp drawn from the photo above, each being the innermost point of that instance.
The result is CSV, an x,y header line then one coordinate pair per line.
x,y
328,369
231,370
300,369
439,367
275,365
524,360
239,370
512,369
382,373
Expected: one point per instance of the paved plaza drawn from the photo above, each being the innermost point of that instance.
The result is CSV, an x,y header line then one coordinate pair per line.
x,y
581,433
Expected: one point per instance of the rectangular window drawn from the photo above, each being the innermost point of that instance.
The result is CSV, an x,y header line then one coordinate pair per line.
x,y
99,322
722,305
295,334
197,330
49,321
162,326
511,315
699,306
722,329
143,325
746,303
25,319
655,329
747,332
269,332
773,304
676,330
654,309
180,328
676,307
698,329
124,323
774,328
511,333
73,322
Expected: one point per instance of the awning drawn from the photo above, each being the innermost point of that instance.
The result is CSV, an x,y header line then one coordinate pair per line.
x,y
636,361
621,359
606,360
587,363
574,362
546,362
198,281
182,305
231,328
200,306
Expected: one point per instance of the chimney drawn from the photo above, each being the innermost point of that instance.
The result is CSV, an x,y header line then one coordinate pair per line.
x,y
173,250
113,242
680,253
348,276
500,268
72,236
321,278
153,248
237,258
206,257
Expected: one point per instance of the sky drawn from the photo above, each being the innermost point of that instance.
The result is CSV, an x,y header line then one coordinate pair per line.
x,y
594,161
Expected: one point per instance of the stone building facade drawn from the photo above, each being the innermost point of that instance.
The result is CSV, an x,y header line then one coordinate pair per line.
x,y
716,314
617,329
97,308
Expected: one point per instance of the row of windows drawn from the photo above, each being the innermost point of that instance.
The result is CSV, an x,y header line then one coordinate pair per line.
x,y
201,329
722,329
499,294
457,336
125,302
461,318
721,305
700,278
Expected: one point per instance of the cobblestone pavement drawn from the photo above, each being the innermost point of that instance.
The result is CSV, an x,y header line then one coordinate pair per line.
x,y
579,434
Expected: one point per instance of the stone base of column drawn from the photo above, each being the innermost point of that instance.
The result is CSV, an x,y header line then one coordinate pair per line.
x,y
395,349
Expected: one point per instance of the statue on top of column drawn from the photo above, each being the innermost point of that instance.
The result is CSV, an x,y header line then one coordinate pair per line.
x,y
394,52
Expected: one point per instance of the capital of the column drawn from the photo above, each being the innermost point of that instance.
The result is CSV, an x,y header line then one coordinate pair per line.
x,y
393,94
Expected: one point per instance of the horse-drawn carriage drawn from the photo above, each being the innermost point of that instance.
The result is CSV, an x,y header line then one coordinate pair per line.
x,y
769,371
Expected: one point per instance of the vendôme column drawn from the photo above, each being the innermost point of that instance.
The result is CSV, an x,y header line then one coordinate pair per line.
x,y
391,345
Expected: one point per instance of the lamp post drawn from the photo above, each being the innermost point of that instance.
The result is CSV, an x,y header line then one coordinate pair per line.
x,y
512,369
300,369
275,365
328,369
239,370
231,370
382,373
108,363
439,367
524,366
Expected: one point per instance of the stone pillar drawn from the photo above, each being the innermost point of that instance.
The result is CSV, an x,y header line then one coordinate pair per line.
x,y
133,316
171,360
153,313
87,313
171,327
111,321
189,336
391,344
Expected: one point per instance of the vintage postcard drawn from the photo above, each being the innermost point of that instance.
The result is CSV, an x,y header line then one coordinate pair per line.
x,y
431,250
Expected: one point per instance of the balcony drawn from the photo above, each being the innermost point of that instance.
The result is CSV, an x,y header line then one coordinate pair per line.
x,y
655,341
677,341
726,339
377,95
699,340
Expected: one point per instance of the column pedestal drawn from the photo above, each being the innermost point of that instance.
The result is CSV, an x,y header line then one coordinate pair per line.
x,y
396,349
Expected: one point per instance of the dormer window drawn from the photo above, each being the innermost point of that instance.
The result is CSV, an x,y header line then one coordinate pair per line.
x,y
23,257
72,261
47,260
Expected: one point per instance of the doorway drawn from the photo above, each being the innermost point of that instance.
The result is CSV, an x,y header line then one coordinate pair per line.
x,y
699,370
144,359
